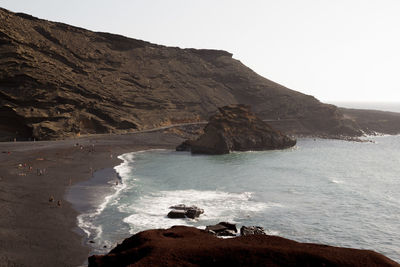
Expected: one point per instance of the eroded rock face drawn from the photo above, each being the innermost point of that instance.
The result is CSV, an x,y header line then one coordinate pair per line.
x,y
236,128
188,246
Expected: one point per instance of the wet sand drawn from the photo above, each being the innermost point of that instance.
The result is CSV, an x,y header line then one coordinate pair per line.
x,y
36,232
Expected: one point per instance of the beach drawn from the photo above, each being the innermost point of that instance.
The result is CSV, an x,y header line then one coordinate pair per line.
x,y
35,231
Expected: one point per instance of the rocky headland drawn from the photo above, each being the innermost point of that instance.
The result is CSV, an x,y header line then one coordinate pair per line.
x,y
188,246
59,81
236,128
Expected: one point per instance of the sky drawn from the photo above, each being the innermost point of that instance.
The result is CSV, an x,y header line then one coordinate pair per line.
x,y
335,50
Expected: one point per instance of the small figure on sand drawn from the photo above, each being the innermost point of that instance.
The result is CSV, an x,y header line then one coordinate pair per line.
x,y
51,199
59,203
116,183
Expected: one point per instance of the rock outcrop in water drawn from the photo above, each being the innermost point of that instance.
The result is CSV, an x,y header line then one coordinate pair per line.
x,y
222,229
59,81
188,246
182,211
236,128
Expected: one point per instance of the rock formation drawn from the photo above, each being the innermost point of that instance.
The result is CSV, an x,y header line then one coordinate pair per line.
x,y
187,246
252,230
182,211
235,128
59,81
222,229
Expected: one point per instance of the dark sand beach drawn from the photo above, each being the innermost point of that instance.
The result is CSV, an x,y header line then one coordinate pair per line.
x,y
35,231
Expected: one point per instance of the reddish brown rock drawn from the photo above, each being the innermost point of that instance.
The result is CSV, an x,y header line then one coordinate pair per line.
x,y
236,128
188,246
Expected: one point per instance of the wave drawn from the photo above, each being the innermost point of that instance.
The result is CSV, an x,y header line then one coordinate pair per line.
x,y
336,181
86,221
150,211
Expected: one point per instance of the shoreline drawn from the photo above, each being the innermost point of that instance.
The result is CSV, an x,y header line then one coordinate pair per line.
x,y
37,232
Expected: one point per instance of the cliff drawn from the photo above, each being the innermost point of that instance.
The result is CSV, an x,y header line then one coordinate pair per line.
x,y
59,81
188,246
374,121
236,128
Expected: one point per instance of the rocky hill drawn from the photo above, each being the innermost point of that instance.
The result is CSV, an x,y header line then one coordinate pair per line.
x,y
59,81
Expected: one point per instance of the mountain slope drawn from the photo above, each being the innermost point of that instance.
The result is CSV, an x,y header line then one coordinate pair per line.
x,y
59,81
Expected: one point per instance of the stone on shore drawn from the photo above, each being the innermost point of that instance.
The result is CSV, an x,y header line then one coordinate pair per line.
x,y
252,230
189,246
222,229
182,211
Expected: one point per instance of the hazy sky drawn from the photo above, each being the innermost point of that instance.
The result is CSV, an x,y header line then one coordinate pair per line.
x,y
336,50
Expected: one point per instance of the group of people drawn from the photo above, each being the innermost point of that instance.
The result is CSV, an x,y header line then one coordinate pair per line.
x,y
39,172
51,199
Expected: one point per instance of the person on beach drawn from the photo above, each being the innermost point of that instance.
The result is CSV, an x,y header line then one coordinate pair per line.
x,y
59,203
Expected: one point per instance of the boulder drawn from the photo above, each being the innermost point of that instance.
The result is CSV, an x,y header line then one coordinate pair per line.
x,y
183,211
236,128
252,230
176,214
193,213
222,229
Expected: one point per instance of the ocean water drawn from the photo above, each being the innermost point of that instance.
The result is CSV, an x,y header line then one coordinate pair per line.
x,y
385,106
322,191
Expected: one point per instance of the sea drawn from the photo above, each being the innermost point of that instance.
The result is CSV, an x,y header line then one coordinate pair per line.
x,y
332,192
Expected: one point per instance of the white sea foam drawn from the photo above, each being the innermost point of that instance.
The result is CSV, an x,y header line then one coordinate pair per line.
x,y
336,181
86,220
150,210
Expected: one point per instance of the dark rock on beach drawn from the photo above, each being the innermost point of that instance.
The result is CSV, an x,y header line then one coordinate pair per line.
x,y
188,246
177,214
59,81
236,128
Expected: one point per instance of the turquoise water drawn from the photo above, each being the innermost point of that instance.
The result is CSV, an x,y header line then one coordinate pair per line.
x,y
323,191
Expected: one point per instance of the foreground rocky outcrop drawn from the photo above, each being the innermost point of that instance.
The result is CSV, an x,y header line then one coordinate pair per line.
x,y
222,229
236,128
187,246
59,81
